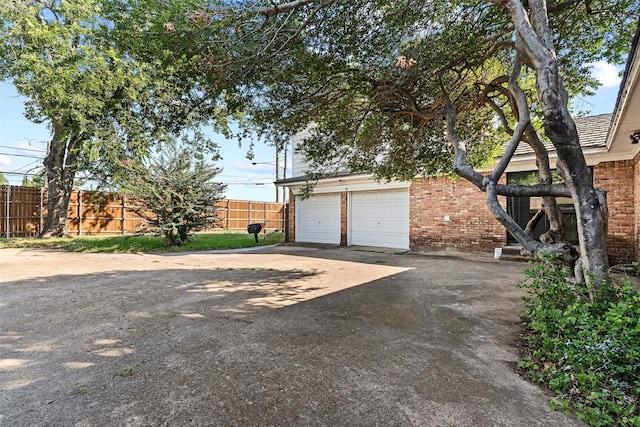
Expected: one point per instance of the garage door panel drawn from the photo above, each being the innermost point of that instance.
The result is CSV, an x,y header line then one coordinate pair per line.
x,y
319,219
380,218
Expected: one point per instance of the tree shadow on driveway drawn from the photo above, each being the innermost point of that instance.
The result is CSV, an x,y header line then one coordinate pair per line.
x,y
306,341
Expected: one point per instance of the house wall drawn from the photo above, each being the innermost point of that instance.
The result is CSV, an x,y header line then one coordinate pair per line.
x,y
343,218
470,226
290,231
636,228
618,178
299,165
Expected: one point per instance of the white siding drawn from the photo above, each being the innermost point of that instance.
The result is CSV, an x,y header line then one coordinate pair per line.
x,y
299,165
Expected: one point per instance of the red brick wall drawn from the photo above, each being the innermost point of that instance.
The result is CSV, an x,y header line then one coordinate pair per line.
x,y
636,227
471,226
619,181
290,232
343,218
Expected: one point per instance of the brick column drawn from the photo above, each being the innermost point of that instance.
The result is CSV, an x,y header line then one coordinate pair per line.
x,y
290,226
343,218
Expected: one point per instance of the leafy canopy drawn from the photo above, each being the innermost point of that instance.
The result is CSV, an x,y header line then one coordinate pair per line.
x,y
371,74
100,104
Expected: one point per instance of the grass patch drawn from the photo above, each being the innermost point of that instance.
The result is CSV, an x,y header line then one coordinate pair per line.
x,y
124,373
79,390
146,244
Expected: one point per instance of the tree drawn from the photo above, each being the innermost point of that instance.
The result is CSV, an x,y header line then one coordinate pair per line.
x,y
99,104
175,192
36,180
3,180
403,88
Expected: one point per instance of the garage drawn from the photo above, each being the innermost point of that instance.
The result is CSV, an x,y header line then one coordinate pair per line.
x,y
379,218
318,219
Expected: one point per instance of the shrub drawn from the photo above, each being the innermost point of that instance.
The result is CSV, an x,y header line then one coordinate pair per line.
x,y
588,353
175,192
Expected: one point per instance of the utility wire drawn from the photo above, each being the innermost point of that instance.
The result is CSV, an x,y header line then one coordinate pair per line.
x,y
23,155
19,173
24,149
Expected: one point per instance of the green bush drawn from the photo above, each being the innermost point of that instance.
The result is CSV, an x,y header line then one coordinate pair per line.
x,y
588,353
175,192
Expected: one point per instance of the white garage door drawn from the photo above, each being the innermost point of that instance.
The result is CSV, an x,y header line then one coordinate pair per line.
x,y
380,218
319,219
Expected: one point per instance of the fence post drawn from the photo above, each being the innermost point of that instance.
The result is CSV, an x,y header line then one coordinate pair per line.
x,y
228,214
41,210
265,216
124,215
80,213
8,223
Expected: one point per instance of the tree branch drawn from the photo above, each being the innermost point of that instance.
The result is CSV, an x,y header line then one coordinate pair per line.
x,y
508,222
533,222
538,190
521,103
287,7
534,47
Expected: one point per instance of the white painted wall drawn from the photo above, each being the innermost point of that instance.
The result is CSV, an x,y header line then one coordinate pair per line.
x,y
299,165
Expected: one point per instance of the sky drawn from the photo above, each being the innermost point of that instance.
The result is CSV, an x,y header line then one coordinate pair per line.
x,y
22,143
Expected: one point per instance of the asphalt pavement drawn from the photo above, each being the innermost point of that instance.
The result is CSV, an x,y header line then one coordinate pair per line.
x,y
279,336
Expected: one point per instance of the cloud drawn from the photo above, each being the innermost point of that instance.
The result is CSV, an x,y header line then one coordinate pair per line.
x,y
607,74
4,160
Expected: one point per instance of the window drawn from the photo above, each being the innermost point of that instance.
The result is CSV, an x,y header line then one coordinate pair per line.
x,y
522,209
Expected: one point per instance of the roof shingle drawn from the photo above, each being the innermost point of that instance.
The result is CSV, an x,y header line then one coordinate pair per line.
x,y
592,131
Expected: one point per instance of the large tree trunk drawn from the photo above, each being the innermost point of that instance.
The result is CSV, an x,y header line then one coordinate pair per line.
x,y
590,205
60,168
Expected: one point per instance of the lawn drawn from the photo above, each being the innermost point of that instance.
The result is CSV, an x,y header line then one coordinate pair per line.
x,y
134,243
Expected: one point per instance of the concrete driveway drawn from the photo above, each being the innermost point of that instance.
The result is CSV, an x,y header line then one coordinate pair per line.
x,y
281,336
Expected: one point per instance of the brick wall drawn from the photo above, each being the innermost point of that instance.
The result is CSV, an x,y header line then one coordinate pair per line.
x,y
343,218
619,181
470,226
636,228
290,232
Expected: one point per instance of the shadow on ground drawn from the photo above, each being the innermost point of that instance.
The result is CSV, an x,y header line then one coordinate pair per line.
x,y
311,337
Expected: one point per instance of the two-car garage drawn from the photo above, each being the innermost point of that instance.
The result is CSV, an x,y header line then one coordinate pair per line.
x,y
377,218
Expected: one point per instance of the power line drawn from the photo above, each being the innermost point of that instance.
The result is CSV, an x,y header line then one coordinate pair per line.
x,y
29,164
241,176
19,173
24,149
23,155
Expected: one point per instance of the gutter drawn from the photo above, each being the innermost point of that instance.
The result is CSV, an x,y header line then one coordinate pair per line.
x,y
625,86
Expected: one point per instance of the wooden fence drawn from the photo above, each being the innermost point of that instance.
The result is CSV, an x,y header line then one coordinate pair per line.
x,y
23,211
